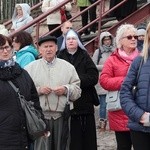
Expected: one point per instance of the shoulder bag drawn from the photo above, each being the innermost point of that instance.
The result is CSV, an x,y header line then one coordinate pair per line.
x,y
113,101
36,127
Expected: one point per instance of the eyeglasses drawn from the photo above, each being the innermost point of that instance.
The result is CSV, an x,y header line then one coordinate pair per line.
x,y
5,48
130,37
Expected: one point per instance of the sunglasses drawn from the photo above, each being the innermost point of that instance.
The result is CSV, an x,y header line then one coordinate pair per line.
x,y
130,37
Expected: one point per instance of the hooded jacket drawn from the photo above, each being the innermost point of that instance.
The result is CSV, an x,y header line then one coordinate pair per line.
x,y
26,55
104,52
26,18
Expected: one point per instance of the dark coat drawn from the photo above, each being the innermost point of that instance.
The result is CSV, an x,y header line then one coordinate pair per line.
x,y
13,133
135,108
60,41
82,118
88,75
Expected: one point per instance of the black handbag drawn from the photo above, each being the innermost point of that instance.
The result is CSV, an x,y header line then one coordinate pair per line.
x,y
36,127
134,88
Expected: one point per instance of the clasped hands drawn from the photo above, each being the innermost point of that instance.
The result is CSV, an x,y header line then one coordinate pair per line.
x,y
60,90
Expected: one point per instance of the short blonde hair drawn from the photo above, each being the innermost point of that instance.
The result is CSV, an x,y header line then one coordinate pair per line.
x,y
120,32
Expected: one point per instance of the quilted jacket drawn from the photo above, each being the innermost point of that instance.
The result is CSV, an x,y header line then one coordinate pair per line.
x,y
113,74
135,107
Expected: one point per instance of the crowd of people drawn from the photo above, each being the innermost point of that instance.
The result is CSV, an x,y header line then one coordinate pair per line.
x,y
58,70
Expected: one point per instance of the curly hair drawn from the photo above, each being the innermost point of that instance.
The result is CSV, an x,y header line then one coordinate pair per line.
x,y
120,32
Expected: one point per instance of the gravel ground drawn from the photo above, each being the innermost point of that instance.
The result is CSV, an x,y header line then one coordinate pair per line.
x,y
105,140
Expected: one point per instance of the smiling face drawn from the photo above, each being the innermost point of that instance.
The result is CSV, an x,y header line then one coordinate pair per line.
x,y
48,50
129,41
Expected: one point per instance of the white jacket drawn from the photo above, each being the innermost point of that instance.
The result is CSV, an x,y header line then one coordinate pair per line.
x,y
55,17
26,18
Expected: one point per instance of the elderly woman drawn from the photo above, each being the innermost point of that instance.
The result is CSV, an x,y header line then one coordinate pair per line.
x,y
138,108
13,131
82,116
21,17
112,77
24,46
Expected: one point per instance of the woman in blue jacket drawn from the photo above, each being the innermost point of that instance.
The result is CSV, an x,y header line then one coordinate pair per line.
x,y
138,108
24,47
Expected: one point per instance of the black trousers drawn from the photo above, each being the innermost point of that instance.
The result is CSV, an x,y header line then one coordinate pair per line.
x,y
123,139
83,132
124,10
140,140
56,33
91,14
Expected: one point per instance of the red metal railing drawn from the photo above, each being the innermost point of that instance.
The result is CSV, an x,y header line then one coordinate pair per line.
x,y
141,15
102,13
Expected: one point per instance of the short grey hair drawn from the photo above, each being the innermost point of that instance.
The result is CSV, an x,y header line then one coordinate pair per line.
x,y
120,32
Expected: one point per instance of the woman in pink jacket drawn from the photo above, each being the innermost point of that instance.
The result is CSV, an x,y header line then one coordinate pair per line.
x,y
112,76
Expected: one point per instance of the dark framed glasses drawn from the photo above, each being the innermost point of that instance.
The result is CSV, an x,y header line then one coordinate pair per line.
x,y
130,37
8,48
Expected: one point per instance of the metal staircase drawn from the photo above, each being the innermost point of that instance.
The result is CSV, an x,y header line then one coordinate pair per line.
x,y
91,41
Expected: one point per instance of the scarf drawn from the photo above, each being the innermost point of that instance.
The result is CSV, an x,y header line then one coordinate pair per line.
x,y
7,63
106,49
128,58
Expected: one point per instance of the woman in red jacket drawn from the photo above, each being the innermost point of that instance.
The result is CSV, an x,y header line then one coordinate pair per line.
x,y
112,76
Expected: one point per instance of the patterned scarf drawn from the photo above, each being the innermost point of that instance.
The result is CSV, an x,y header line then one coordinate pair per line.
x,y
106,49
7,63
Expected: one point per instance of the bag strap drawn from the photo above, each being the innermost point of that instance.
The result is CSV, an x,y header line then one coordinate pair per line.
x,y
13,86
99,55
15,89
